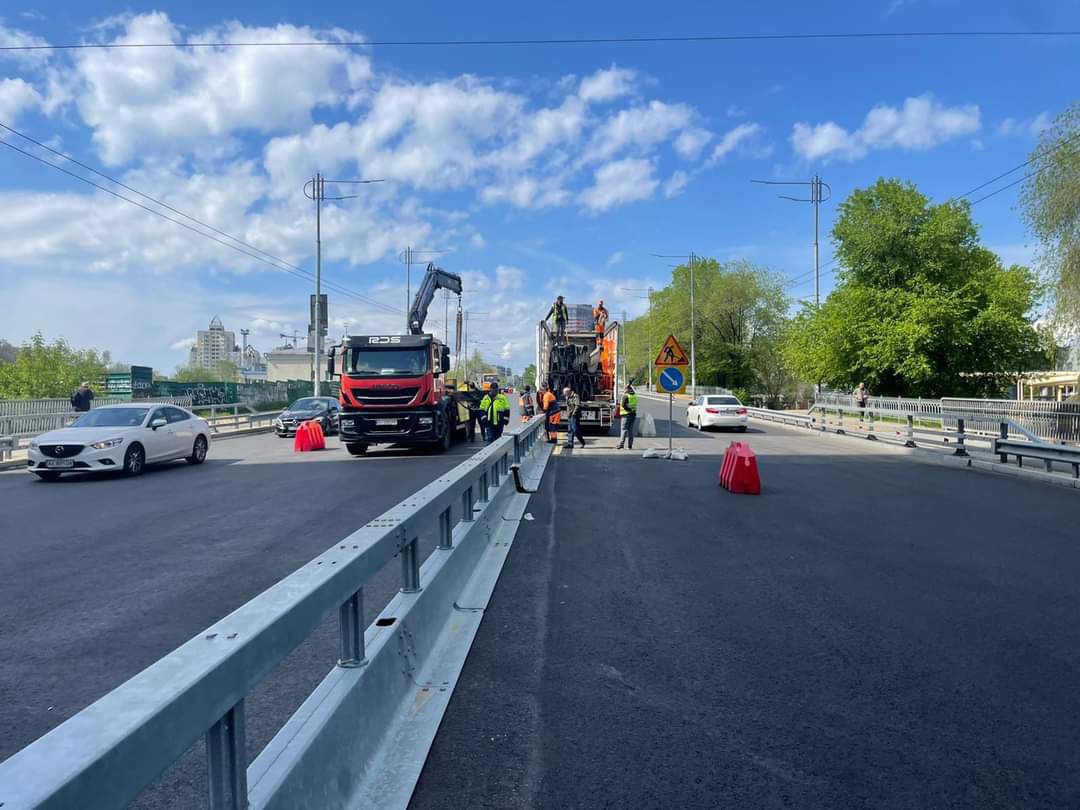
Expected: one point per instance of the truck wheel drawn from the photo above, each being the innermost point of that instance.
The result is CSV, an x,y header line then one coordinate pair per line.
x,y
442,444
357,449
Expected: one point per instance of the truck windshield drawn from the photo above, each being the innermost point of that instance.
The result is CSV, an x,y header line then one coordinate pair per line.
x,y
388,362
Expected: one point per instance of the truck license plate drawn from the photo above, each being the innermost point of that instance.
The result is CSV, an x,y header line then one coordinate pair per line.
x,y
64,462
386,422
590,414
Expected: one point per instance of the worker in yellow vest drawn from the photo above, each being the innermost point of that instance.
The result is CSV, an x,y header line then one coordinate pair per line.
x,y
494,413
628,409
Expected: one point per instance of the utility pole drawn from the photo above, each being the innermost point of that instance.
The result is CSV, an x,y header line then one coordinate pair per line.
x,y
243,352
317,194
816,198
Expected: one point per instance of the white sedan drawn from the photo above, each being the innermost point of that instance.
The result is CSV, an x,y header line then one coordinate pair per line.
x,y
716,410
124,438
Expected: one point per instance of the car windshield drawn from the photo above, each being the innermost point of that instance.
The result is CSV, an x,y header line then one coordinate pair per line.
x,y
388,362
722,401
111,417
307,404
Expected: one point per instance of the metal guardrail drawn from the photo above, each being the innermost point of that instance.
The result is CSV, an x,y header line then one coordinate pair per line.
x,y
1050,421
105,755
35,407
782,417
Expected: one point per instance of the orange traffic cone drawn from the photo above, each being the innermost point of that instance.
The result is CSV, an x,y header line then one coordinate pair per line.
x,y
316,436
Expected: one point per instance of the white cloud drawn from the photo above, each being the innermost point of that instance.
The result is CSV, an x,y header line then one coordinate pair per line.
x,y
17,96
734,111
675,184
620,182
638,127
690,142
920,123
476,241
182,345
615,258
605,85
1032,127
734,138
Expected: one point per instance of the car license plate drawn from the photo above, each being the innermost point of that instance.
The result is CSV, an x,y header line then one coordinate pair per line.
x,y
590,414
59,462
386,422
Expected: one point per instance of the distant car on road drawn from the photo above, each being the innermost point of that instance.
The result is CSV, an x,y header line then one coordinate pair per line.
x,y
323,409
716,411
123,438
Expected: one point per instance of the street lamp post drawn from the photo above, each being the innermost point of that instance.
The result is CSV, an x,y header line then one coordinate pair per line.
x,y
317,194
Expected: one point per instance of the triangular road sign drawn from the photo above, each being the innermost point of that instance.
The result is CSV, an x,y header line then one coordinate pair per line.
x,y
672,354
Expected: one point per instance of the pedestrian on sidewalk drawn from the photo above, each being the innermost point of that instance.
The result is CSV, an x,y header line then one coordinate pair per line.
x,y
628,409
862,399
573,413
82,397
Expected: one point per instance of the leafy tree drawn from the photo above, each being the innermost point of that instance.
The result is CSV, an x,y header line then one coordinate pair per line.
x,y
920,308
529,377
1051,205
741,310
42,369
224,371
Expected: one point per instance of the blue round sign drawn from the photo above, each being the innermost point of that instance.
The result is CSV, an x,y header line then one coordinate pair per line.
x,y
672,380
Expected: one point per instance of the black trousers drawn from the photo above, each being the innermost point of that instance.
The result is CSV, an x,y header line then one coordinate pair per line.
x,y
627,436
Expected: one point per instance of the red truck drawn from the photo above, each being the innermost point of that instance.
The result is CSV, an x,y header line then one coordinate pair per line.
x,y
393,387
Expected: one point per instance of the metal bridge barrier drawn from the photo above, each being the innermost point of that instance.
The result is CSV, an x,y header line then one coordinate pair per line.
x,y
361,738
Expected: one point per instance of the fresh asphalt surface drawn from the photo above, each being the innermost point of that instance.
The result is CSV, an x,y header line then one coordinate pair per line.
x,y
870,632
100,576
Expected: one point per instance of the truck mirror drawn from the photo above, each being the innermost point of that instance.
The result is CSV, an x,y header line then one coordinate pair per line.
x,y
445,359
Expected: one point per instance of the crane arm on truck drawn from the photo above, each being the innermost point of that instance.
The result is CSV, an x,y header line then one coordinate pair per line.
x,y
434,279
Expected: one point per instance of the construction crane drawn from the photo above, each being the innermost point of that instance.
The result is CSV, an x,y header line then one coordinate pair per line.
x,y
435,279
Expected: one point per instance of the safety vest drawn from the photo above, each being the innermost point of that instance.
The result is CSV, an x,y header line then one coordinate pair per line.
x,y
631,402
492,407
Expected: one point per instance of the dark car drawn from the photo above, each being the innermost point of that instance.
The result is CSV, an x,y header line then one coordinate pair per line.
x,y
324,409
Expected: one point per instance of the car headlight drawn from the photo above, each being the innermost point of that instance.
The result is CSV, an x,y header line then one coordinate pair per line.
x,y
278,421
106,444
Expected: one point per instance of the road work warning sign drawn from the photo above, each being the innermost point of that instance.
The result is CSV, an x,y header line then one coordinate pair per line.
x,y
672,354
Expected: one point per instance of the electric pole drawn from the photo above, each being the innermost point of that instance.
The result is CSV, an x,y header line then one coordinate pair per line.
x,y
317,194
243,353
816,185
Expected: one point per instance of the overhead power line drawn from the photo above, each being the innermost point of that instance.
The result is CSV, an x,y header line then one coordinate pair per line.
x,y
237,244
625,40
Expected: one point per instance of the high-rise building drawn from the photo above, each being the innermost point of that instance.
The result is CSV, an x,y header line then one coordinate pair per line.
x,y
214,345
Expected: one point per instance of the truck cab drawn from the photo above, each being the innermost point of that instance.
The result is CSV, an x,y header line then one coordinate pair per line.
x,y
393,391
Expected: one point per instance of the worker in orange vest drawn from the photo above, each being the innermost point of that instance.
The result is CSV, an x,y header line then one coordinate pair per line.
x,y
549,404
600,318
527,404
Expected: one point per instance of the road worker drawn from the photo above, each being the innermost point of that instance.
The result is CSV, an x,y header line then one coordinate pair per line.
x,y
549,404
494,413
628,409
562,314
527,404
600,319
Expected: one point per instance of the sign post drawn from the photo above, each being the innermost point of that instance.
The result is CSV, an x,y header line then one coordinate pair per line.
x,y
671,378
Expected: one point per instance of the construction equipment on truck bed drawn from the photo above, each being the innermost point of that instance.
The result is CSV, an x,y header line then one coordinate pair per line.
x,y
584,362
393,387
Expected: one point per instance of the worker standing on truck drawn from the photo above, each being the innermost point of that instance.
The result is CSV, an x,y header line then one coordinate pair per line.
x,y
494,413
628,408
549,404
600,319
562,315
527,404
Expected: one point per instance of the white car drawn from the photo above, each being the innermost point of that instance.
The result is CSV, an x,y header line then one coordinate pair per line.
x,y
716,411
124,438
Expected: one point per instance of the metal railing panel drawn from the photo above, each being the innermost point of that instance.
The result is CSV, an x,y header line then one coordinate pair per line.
x,y
106,754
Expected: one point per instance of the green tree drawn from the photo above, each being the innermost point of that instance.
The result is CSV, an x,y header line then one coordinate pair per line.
x,y
224,371
8,352
529,377
741,311
42,369
1051,206
920,308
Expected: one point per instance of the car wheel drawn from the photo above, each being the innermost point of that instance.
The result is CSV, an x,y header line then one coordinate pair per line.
x,y
134,460
357,449
742,428
198,451
48,475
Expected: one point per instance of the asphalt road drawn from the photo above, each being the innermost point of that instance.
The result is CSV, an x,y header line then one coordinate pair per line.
x,y
100,576
870,632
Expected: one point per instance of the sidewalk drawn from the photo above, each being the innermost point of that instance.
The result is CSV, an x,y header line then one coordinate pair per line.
x,y
839,641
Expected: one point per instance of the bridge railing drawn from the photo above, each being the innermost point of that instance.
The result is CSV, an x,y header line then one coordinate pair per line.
x,y
105,755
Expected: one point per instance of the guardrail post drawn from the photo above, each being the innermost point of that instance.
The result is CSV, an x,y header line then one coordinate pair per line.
x,y
226,759
410,568
960,449
519,440
1004,457
446,529
870,430
484,487
910,442
468,501
840,420
496,468
351,621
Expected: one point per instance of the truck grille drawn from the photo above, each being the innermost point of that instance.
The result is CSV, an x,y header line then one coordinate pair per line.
x,y
389,396
60,450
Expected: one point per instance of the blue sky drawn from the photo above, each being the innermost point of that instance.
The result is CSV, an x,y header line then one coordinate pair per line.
x,y
540,170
